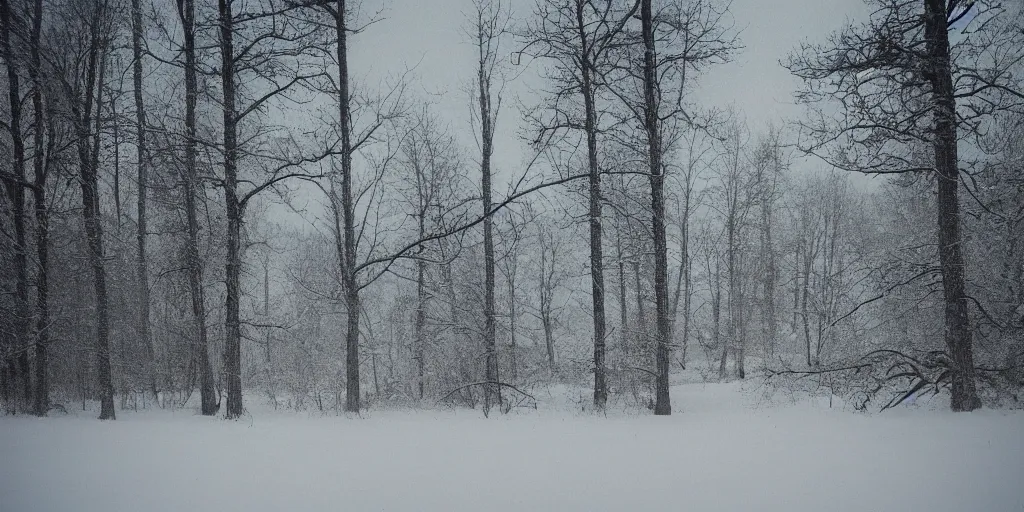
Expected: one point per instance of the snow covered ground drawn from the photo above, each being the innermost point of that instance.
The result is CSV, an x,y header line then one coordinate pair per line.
x,y
720,451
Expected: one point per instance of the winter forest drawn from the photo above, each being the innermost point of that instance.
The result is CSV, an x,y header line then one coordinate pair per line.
x,y
495,238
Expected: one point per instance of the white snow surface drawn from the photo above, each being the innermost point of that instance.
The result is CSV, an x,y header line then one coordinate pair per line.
x,y
724,448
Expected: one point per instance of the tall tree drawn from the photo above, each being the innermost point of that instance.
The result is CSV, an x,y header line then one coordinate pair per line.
x,y
576,37
909,95
346,200
232,322
15,184
42,214
678,40
208,403
84,93
262,49
938,73
489,26
142,173
652,122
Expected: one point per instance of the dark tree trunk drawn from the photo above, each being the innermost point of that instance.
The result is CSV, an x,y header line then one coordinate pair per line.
x,y
421,318
662,402
716,302
623,312
808,261
958,330
546,292
233,335
16,196
142,266
769,280
491,390
594,213
348,256
42,385
682,284
207,393
796,285
641,311
83,114
512,329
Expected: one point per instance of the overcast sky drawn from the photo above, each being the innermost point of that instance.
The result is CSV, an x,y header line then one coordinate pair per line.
x,y
429,34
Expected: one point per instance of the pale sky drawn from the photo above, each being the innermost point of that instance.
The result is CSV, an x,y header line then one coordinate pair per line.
x,y
429,34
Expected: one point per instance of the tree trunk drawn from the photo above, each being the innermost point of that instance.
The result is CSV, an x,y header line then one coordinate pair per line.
x,y
662,403
491,393
682,283
796,285
268,352
641,312
512,326
16,195
421,317
716,313
348,257
768,282
623,313
42,384
91,212
142,266
546,292
808,260
732,284
232,332
594,213
957,331
741,322
208,403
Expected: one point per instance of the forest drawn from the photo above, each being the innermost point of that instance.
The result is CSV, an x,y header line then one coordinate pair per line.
x,y
471,254
206,206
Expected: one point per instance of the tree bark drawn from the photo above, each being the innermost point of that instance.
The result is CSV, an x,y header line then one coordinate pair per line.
x,y
808,261
16,195
512,318
41,404
421,316
207,393
594,211
348,256
142,265
83,114
546,292
957,328
662,402
233,336
484,40
769,278
623,313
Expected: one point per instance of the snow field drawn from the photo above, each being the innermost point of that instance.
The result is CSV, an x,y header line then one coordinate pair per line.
x,y
719,453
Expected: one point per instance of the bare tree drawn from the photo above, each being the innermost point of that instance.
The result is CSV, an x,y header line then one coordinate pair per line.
x,y
265,65
576,38
83,94
40,166
431,162
768,165
652,126
735,193
190,178
908,89
143,162
15,184
489,26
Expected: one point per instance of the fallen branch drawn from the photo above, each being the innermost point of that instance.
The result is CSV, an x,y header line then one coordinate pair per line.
x,y
485,383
